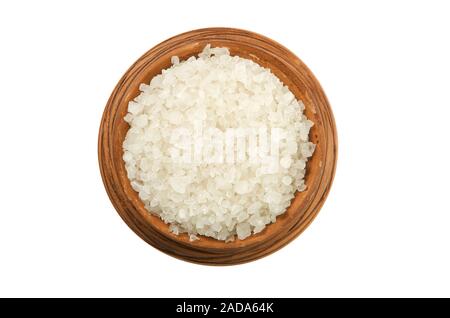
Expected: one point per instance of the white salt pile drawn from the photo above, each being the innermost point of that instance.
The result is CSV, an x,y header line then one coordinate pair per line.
x,y
187,155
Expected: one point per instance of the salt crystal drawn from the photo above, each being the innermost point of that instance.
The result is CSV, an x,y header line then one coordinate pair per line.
x,y
243,230
287,180
175,60
307,149
291,147
177,185
175,117
242,187
135,108
140,121
285,162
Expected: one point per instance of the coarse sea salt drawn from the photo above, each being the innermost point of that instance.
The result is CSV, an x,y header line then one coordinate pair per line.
x,y
205,193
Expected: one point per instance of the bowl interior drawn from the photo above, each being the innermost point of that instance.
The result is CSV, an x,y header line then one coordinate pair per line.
x,y
284,66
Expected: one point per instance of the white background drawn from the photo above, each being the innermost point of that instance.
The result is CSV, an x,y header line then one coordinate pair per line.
x,y
384,230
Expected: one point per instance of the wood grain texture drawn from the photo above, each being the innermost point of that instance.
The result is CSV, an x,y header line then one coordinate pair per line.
x,y
320,168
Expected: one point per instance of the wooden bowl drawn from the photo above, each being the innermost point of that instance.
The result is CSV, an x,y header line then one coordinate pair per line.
x,y
320,168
